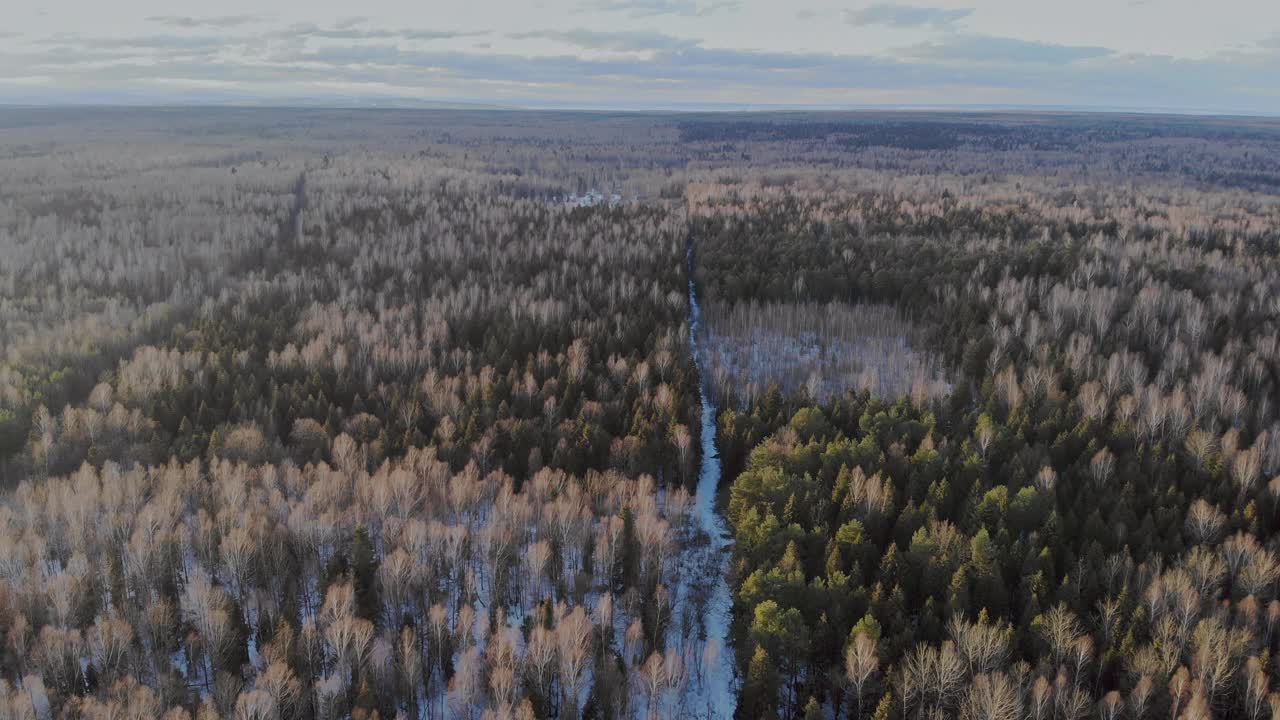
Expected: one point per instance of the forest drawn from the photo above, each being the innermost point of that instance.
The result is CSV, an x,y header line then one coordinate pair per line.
x,y
1084,526
349,414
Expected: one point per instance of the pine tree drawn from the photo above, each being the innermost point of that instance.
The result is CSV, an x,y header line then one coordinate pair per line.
x,y
760,690
626,566
364,572
813,710
885,710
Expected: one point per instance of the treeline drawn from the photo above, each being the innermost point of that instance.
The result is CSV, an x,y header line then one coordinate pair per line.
x,y
935,135
1083,527
1206,152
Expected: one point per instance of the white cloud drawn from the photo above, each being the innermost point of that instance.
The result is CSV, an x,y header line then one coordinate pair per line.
x,y
634,41
649,8
906,16
27,80
985,49
219,21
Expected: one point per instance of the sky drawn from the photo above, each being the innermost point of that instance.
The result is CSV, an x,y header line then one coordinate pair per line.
x,y
1160,55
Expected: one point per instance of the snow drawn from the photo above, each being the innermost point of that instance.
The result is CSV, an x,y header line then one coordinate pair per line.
x,y
818,349
592,198
716,690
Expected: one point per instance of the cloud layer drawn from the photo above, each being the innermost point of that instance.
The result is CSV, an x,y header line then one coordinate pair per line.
x,y
630,53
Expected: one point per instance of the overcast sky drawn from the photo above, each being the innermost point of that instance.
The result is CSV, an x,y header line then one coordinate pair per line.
x,y
1196,55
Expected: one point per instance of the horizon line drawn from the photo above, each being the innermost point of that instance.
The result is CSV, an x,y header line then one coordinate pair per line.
x,y
471,105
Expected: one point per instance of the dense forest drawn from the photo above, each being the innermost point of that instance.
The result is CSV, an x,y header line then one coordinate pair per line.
x,y
340,436
323,414
1083,526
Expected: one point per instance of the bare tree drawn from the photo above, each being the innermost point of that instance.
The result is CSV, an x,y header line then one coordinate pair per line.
x,y
991,697
861,666
1204,522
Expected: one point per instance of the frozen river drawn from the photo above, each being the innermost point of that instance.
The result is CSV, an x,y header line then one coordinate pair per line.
x,y
719,682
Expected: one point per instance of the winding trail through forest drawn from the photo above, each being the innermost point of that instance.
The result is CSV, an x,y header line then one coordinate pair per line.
x,y
719,676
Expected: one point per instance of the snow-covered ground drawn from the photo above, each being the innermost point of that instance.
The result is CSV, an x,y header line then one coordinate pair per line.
x,y
715,689
592,198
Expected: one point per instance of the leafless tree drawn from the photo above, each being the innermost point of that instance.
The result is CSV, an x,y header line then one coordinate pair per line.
x,y
861,666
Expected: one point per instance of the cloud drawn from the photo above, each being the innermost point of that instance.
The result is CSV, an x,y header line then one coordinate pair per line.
x,y
220,21
25,80
639,67
351,22
650,8
906,16
349,30
688,67
638,41
440,34
339,32
988,49
160,43
666,59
